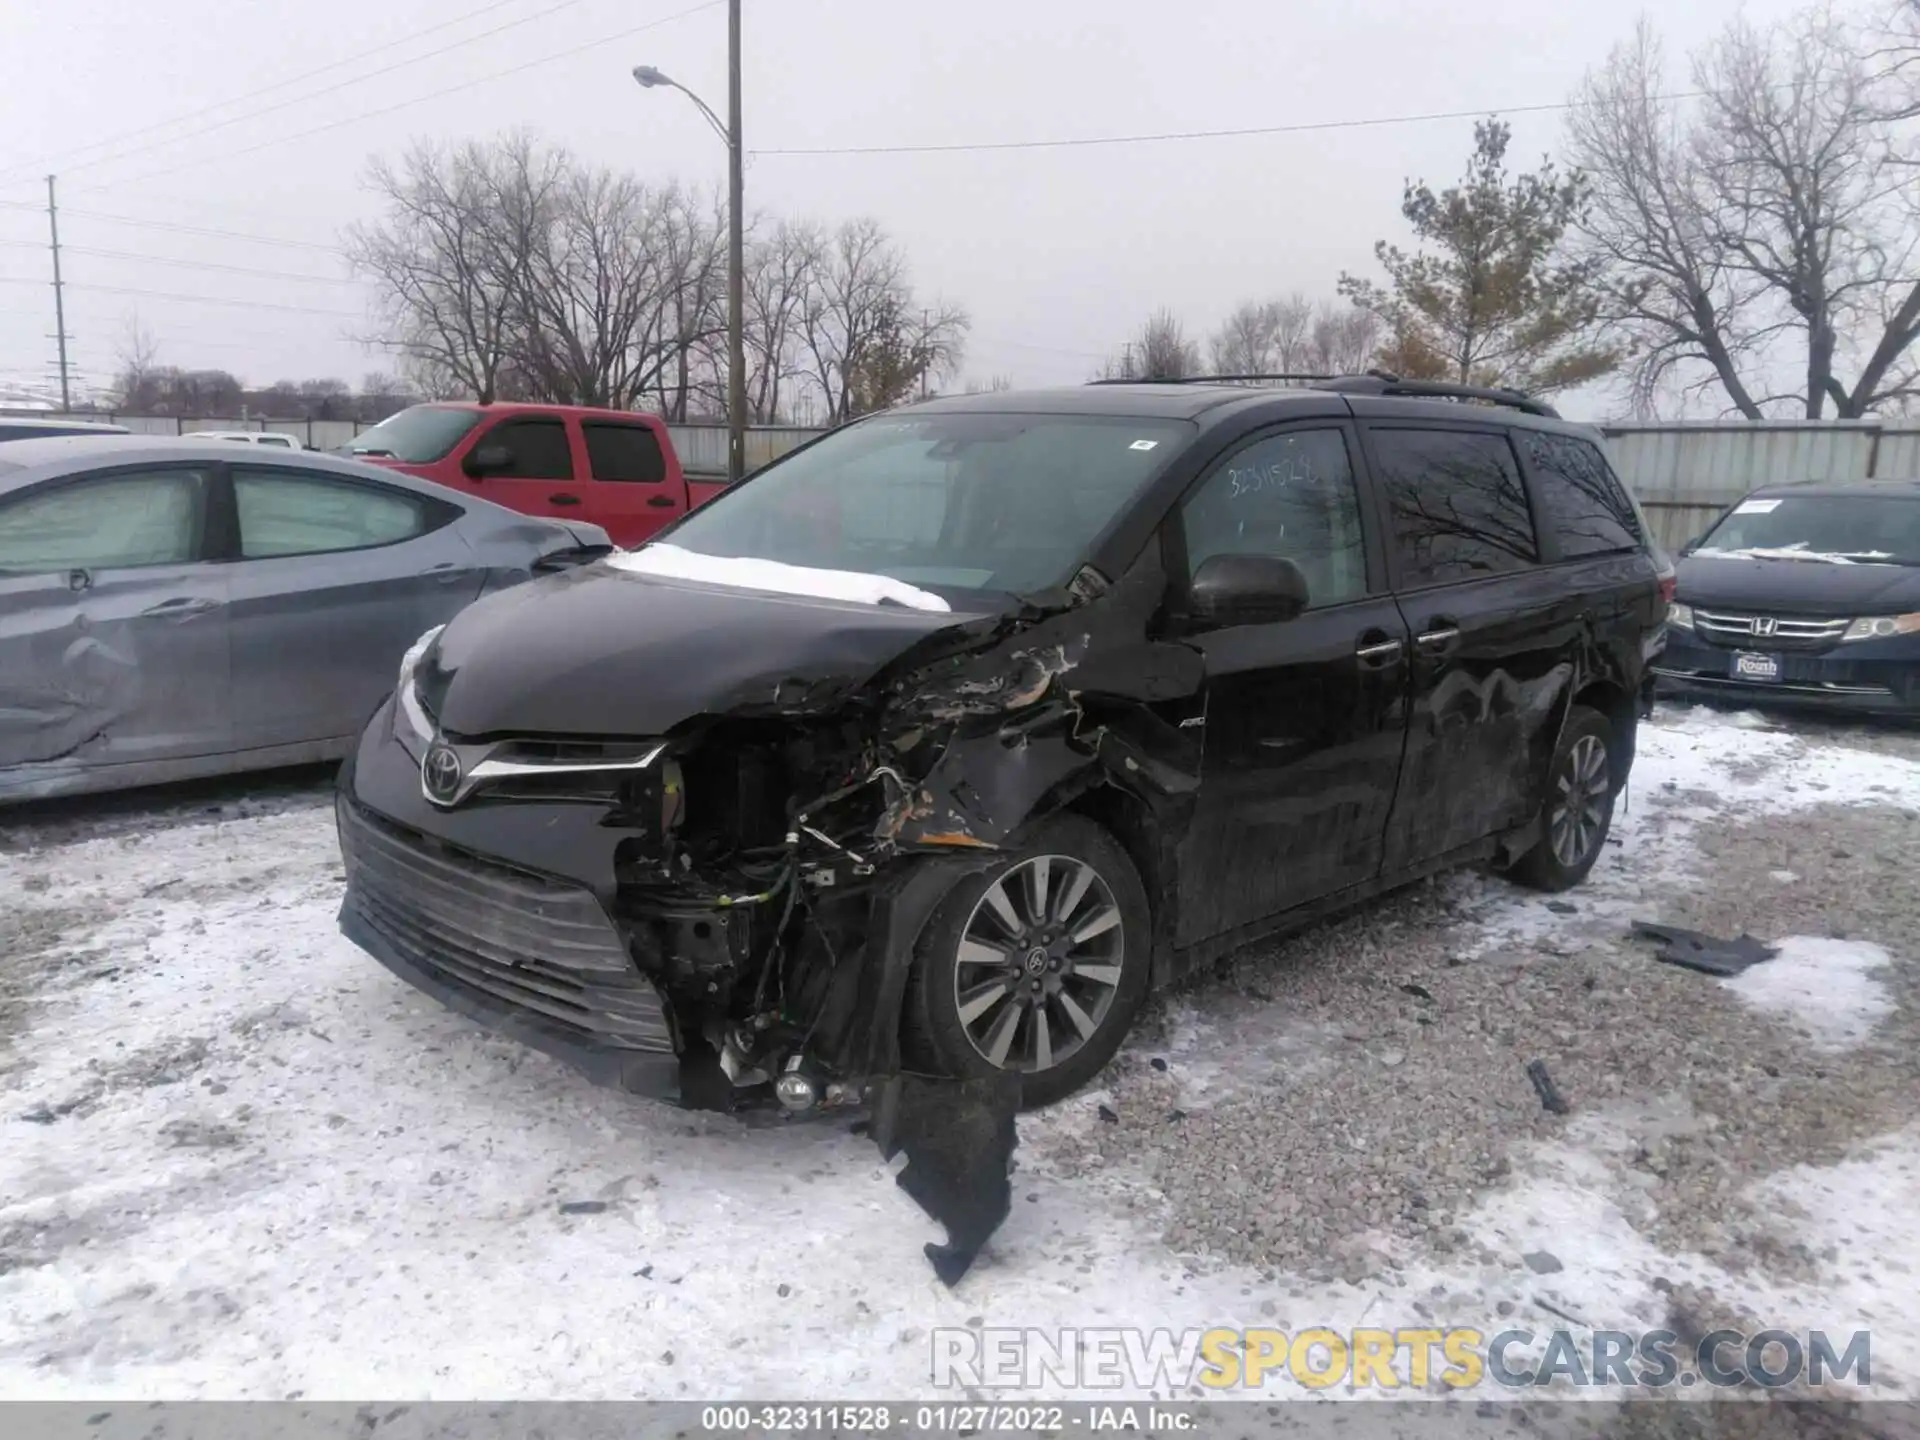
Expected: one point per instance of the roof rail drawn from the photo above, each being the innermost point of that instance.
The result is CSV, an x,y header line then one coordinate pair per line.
x,y
1211,379
1373,382
1381,382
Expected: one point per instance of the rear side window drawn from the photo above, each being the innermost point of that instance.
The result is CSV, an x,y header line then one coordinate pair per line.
x,y
284,512
538,448
624,452
1581,501
1459,511
115,522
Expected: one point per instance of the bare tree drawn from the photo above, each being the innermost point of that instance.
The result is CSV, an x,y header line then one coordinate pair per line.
x,y
783,269
136,359
1766,243
1344,339
1159,350
992,385
867,341
451,261
1264,338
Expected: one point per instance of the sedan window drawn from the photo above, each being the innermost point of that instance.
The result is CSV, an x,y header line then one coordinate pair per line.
x,y
284,512
113,522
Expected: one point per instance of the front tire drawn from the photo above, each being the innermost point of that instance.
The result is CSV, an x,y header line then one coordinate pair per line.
x,y
1578,808
1038,965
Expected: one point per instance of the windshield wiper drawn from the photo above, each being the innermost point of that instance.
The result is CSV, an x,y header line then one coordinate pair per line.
x,y
374,450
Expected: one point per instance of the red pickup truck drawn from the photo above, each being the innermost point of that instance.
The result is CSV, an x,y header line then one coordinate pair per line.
x,y
611,468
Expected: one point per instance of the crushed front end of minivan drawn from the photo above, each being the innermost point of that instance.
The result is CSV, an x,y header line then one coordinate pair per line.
x,y
682,821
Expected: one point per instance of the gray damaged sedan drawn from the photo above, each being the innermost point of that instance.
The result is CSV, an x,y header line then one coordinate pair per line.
x,y
171,609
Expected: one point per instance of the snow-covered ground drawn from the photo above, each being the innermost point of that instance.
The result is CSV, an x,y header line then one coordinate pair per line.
x,y
238,1159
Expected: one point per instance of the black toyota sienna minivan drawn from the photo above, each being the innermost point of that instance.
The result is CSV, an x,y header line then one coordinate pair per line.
x,y
934,746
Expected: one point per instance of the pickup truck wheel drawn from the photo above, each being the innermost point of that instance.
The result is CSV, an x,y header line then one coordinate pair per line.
x,y
1039,965
1578,809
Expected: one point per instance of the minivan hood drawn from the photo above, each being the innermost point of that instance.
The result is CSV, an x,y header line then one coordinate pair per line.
x,y
603,652
1797,587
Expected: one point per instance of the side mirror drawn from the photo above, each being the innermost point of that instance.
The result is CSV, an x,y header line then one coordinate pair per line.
x,y
487,458
1247,590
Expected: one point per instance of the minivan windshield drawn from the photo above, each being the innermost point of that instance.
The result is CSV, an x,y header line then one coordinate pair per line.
x,y
962,501
418,435
1838,529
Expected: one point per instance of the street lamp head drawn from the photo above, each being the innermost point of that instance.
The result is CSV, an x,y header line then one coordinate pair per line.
x,y
649,77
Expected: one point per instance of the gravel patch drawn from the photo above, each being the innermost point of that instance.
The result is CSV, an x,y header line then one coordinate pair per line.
x,y
1403,1096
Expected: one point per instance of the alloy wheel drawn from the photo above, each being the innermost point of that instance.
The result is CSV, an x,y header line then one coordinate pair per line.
x,y
1039,964
1580,795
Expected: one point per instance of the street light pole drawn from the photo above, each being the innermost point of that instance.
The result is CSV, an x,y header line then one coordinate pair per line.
x,y
736,261
650,78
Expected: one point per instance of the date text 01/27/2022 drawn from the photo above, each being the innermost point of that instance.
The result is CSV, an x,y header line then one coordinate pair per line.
x,y
964,1419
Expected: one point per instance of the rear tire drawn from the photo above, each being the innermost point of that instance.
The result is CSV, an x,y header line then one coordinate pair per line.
x,y
1577,808
1038,965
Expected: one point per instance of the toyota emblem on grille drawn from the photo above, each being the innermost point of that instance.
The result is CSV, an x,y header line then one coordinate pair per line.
x,y
1763,625
440,773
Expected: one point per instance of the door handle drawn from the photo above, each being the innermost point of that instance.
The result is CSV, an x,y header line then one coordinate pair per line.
x,y
181,605
661,502
1439,640
447,574
563,499
1377,654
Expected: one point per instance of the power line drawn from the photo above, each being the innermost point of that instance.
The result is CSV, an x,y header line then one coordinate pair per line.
x,y
180,229
417,100
1299,128
196,264
301,78
193,299
358,79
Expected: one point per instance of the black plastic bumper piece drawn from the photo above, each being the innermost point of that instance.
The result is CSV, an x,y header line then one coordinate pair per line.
x,y
959,1137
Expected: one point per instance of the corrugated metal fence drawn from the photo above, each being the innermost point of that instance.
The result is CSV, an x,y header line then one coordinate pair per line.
x,y
1683,474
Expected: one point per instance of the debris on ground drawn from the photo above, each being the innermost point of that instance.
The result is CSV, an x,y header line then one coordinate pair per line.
x,y
1694,950
1551,1100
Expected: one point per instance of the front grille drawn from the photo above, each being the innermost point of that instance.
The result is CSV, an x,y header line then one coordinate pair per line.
x,y
1767,632
532,943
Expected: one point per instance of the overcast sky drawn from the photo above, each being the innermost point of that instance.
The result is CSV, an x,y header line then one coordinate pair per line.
x,y
1056,252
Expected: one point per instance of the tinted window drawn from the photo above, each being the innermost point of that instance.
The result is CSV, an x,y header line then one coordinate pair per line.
x,y
418,435
1459,510
114,522
964,500
538,448
287,513
1580,500
1289,495
625,452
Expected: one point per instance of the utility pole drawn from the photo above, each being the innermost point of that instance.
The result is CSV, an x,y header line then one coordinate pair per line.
x,y
736,261
59,300
926,347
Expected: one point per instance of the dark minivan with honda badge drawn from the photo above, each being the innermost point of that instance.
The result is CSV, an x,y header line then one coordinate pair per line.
x,y
1804,595
902,772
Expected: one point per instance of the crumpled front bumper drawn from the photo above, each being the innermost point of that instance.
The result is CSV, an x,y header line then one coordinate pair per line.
x,y
525,954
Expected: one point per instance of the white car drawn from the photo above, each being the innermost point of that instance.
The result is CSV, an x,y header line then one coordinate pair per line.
x,y
246,437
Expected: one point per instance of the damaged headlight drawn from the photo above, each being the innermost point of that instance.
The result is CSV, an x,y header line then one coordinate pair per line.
x,y
410,723
1680,615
